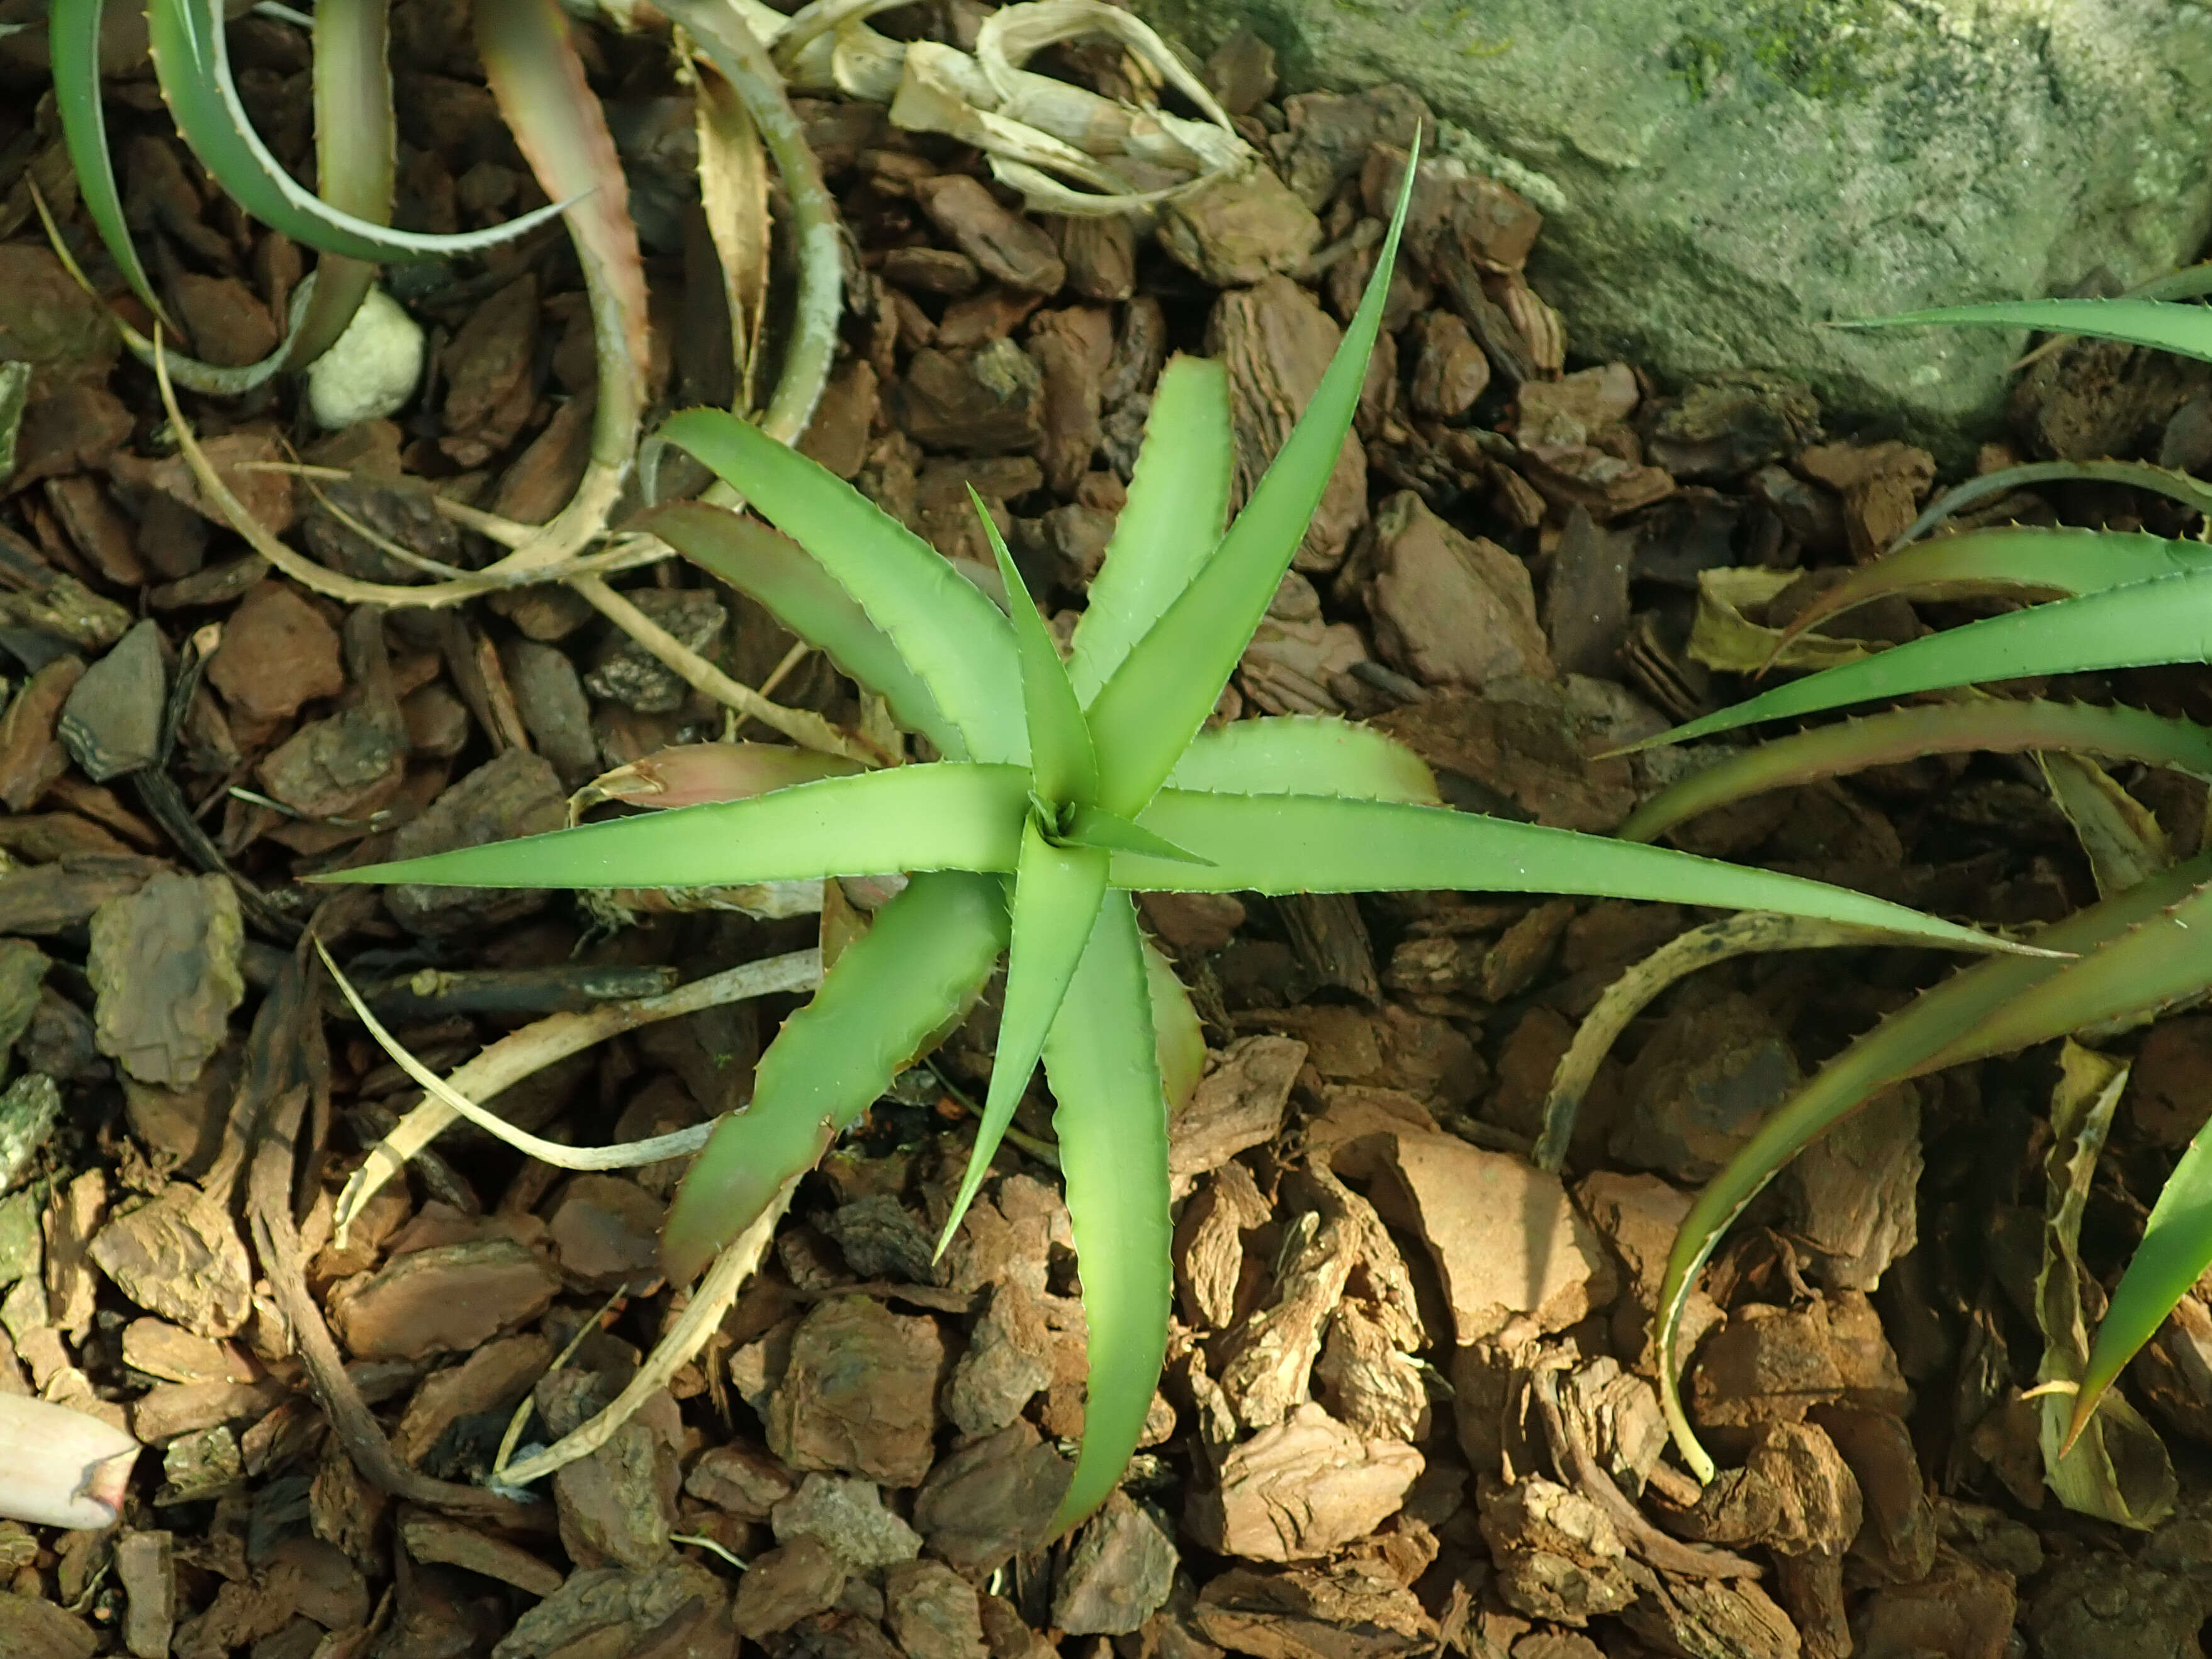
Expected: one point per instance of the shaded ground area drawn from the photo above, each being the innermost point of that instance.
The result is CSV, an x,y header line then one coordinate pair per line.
x,y
1409,1403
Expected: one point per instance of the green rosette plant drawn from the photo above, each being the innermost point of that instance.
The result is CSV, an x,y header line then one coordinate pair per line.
x,y
1060,788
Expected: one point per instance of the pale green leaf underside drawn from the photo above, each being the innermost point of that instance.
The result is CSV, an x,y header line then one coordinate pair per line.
x,y
926,952
1146,714
1111,1121
2163,326
955,641
1303,755
192,60
769,566
2165,620
1178,504
1300,844
944,817
1056,898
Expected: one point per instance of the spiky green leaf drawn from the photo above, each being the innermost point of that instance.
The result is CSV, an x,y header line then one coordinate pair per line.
x,y
2006,561
944,817
1146,714
1999,725
1057,891
2159,620
1307,844
769,566
2185,331
1111,1121
73,46
955,641
1178,505
1305,754
927,952
2193,492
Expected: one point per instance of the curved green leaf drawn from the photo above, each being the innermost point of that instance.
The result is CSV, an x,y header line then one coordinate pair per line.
x,y
192,60
768,565
2175,1251
1307,844
2119,963
1303,755
1999,724
2013,560
1062,764
2186,331
1146,714
2193,492
2159,620
73,46
928,951
955,641
1111,1121
1057,891
1170,525
945,817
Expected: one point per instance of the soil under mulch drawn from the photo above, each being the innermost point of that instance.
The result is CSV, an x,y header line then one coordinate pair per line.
x,y
1409,1403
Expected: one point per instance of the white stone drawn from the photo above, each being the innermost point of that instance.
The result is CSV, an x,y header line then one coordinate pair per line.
x,y
372,369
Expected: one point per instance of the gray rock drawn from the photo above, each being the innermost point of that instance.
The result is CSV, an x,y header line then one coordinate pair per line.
x,y
624,672
1720,180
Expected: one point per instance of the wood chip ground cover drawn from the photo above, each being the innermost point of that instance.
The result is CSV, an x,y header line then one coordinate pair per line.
x,y
1409,1405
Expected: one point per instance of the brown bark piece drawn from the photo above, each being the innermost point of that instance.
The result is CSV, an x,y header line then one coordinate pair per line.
x,y
1007,1361
1512,1251
30,754
988,400
35,1628
1275,341
1769,1365
1347,1612
514,793
1558,1555
1239,229
145,1564
861,1393
165,967
1119,1572
1449,371
1526,741
178,1255
1071,346
675,1610
268,497
492,1378
1301,1489
606,1233
1239,1103
445,1299
1706,1079
618,1506
785,1584
1005,245
429,1537
1209,1245
740,1480
933,1612
487,366
991,1499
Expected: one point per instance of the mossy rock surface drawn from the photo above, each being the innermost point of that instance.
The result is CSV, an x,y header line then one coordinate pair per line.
x,y
1722,177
